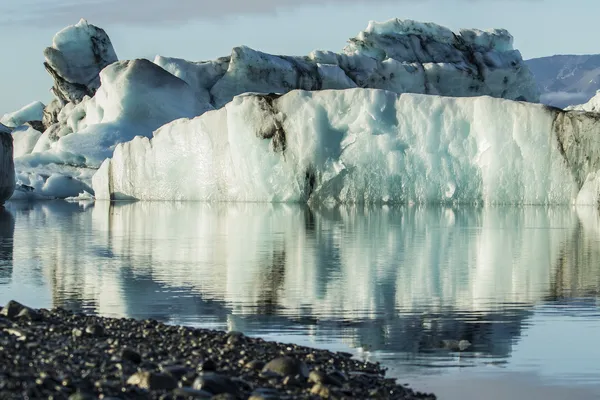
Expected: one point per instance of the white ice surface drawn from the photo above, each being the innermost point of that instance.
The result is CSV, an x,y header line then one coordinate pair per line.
x,y
358,145
31,112
24,140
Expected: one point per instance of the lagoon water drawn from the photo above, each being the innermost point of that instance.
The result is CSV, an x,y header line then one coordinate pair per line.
x,y
398,285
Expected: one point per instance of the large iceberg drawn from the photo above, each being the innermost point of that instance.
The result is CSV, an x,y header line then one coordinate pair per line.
x,y
360,145
101,102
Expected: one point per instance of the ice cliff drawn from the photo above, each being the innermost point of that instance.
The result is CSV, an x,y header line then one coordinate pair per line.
x,y
361,145
334,140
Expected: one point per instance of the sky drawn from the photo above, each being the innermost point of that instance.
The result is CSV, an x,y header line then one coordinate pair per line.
x,y
200,29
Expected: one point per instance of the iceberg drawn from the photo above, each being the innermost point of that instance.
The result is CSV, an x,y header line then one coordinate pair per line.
x,y
360,146
102,102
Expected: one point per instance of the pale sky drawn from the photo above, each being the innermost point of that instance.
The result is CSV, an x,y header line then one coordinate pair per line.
x,y
199,29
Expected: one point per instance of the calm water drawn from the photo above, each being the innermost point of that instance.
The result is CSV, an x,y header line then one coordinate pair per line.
x,y
388,284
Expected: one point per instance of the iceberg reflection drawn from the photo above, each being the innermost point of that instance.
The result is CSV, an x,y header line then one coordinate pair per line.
x,y
405,280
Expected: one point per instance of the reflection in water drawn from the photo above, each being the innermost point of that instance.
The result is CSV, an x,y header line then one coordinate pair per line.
x,y
394,280
7,233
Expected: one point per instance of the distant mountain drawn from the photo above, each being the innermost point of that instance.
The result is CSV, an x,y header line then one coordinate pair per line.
x,y
566,79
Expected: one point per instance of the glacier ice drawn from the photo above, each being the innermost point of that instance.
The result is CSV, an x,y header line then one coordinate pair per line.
x,y
77,55
31,112
358,145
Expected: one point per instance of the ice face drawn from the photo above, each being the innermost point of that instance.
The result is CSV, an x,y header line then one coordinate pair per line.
x,y
357,145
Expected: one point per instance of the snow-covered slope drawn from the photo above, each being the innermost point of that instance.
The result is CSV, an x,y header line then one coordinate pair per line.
x,y
360,145
565,80
403,56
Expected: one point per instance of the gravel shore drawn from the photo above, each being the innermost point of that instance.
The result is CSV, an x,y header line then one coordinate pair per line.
x,y
55,354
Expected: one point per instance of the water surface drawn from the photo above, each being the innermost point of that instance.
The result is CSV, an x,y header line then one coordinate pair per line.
x,y
402,286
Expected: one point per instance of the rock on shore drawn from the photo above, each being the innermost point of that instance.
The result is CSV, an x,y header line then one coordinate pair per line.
x,y
7,166
60,355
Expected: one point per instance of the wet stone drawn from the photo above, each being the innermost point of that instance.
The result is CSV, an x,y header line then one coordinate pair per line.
x,y
293,380
215,383
152,381
321,377
234,338
12,309
192,393
94,330
285,366
320,390
29,314
265,394
176,371
207,365
77,333
81,396
133,356
254,365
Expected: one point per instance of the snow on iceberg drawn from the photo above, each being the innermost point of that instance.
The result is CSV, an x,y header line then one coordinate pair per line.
x,y
31,112
358,145
403,56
